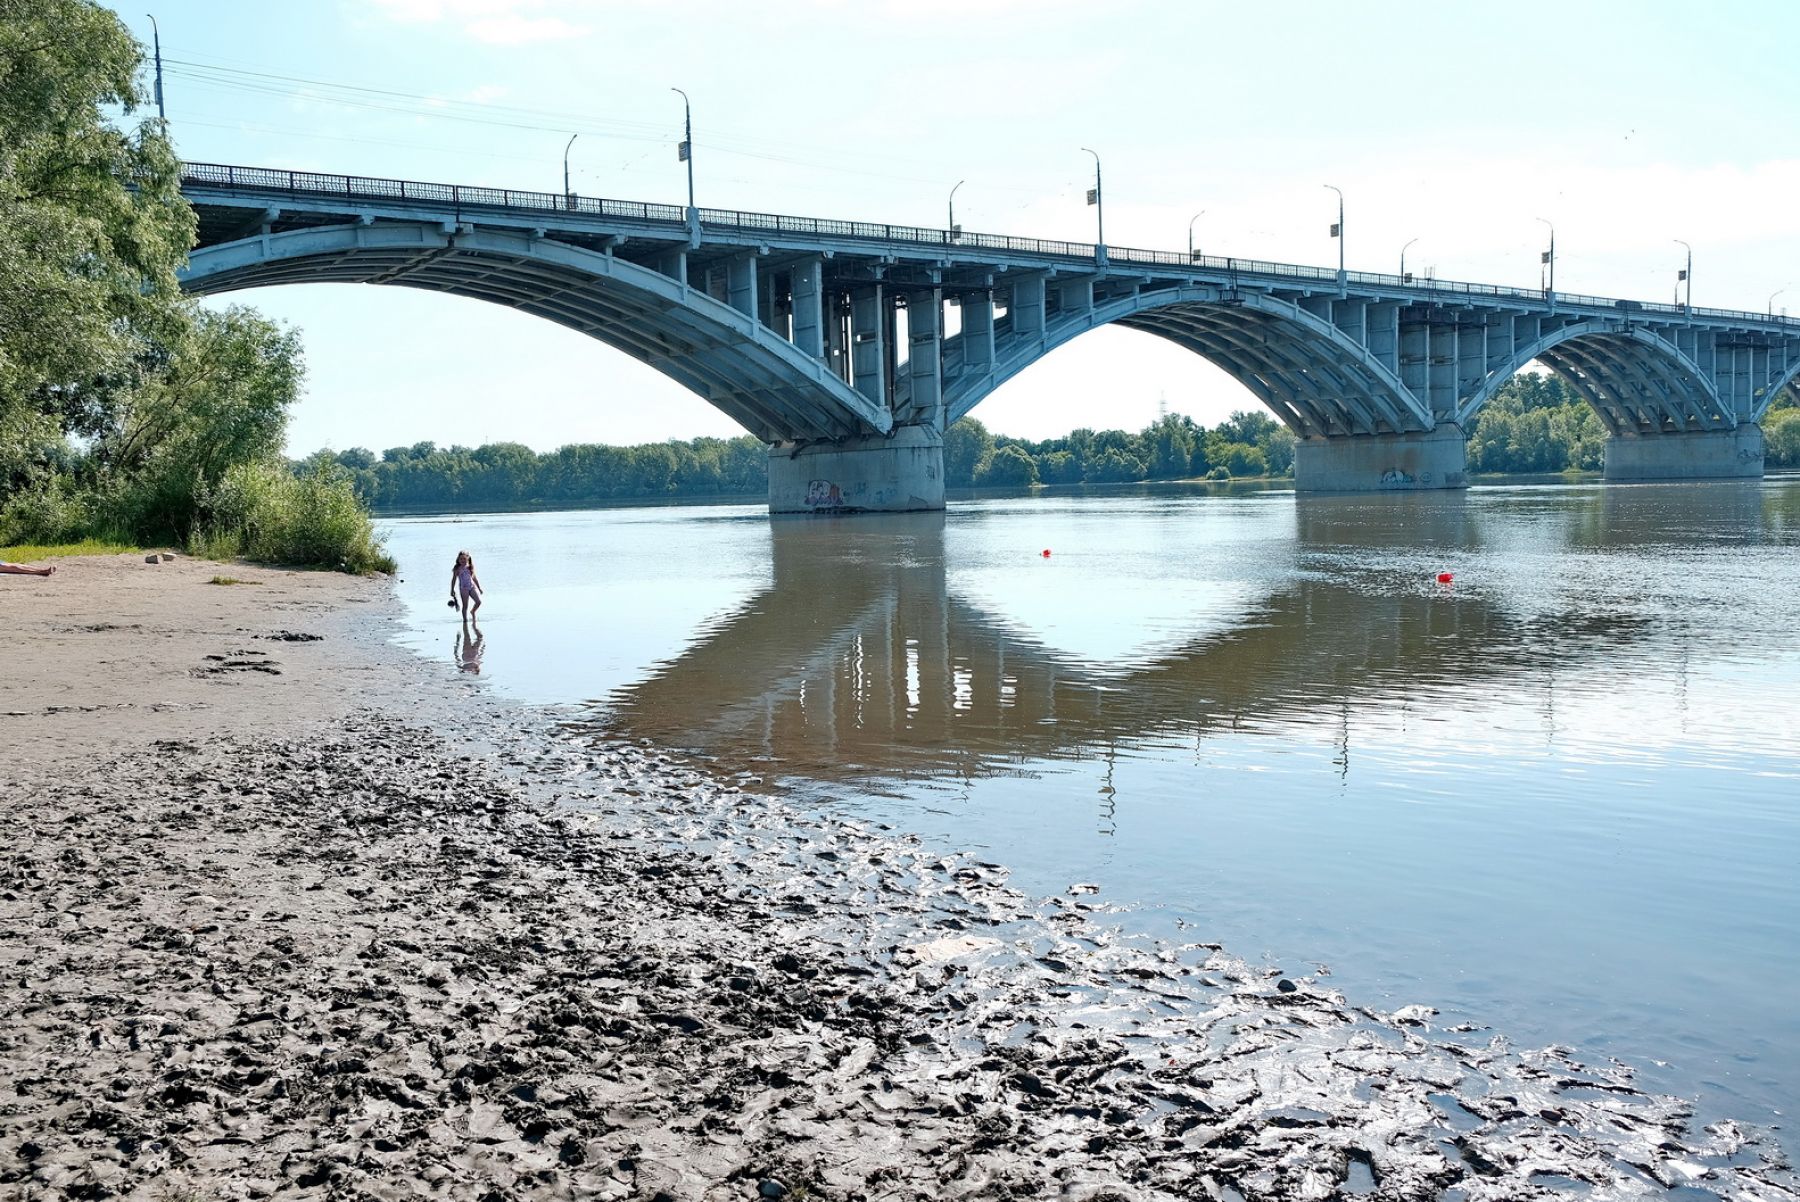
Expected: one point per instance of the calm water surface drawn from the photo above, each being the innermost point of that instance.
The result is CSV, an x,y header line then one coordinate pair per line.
x,y
1560,796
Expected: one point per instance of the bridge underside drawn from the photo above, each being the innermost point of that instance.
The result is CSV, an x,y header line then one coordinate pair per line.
x,y
751,374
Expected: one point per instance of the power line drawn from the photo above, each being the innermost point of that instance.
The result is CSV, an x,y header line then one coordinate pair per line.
x,y
213,76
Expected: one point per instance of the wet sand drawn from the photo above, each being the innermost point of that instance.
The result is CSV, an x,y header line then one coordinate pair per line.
x,y
285,911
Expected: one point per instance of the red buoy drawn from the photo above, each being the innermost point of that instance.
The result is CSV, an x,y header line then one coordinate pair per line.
x,y
1046,552
1445,578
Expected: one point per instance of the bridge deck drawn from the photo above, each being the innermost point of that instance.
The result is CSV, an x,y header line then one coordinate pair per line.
x,y
593,221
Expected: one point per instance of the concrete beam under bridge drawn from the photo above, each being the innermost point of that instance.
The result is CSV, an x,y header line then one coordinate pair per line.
x,y
1700,455
898,473
1382,462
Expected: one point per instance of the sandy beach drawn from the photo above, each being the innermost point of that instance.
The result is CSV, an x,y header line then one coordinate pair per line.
x,y
286,911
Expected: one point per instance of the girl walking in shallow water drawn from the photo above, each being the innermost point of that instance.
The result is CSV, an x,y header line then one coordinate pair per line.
x,y
464,580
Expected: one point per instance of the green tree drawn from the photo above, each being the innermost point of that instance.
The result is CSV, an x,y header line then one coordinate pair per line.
x,y
1244,461
1170,443
1113,465
1781,438
967,448
221,400
1009,467
92,229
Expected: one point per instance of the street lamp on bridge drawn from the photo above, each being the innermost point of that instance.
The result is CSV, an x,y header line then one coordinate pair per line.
x,y
1337,231
568,197
1192,257
1687,277
1772,297
1095,198
686,154
1404,278
955,229
162,114
1548,258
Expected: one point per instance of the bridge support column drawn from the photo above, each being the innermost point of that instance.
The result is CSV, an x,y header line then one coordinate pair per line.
x,y
868,342
978,333
899,473
740,284
1382,462
809,307
1701,455
924,327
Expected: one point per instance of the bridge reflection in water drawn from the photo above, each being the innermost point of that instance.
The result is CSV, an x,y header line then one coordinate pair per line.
x,y
861,662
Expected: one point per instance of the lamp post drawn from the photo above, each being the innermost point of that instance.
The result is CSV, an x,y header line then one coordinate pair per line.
x,y
1098,201
1687,276
156,37
1197,216
686,154
1772,297
1337,231
1403,276
955,229
1549,257
568,197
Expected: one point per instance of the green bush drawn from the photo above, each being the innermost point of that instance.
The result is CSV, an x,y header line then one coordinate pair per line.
x,y
314,519
47,513
1781,434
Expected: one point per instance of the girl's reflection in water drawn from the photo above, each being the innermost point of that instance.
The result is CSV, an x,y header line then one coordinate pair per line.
x,y
469,648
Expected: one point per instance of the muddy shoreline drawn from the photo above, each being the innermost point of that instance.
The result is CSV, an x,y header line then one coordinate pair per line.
x,y
340,926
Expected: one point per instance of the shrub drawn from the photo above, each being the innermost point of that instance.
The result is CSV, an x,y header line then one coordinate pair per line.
x,y
314,519
48,513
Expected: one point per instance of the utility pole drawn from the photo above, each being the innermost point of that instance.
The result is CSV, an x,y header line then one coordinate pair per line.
x,y
156,37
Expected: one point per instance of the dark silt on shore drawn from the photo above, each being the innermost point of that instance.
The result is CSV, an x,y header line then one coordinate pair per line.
x,y
368,964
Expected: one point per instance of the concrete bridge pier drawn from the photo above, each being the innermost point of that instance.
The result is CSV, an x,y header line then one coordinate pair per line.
x,y
1690,455
1382,462
901,472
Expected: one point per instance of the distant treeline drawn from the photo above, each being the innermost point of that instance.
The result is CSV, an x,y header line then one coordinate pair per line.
x,y
1533,424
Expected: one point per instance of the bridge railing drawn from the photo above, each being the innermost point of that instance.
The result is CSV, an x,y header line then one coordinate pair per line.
x,y
462,197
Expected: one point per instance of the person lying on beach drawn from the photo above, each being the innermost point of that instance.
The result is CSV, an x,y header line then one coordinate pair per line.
x,y
19,569
464,580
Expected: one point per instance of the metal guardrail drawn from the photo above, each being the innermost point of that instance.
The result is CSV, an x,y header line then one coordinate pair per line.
x,y
463,197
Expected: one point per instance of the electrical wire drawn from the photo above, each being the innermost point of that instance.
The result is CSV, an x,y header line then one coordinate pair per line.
x,y
214,76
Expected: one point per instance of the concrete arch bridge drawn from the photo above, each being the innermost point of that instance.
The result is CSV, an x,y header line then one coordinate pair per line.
x,y
848,347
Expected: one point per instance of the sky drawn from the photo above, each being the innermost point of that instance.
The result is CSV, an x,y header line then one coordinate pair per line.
x,y
1463,129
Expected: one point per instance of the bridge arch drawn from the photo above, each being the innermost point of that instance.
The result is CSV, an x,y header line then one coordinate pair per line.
x,y
1636,381
753,375
1788,374
1314,377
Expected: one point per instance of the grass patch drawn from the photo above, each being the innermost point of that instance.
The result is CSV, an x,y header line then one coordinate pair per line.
x,y
31,552
229,580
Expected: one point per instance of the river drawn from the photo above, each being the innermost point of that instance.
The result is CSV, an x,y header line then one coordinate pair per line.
x,y
1558,796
